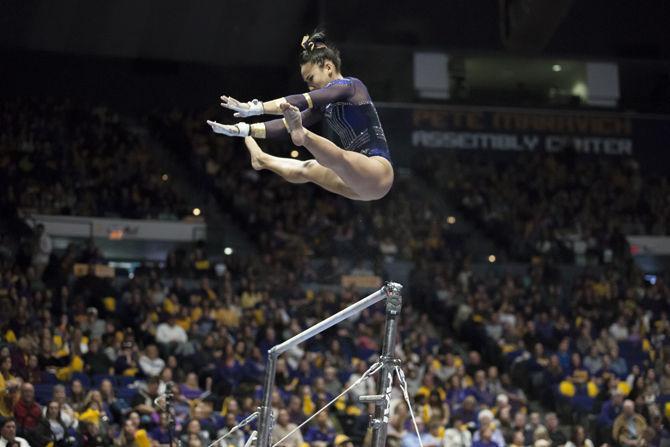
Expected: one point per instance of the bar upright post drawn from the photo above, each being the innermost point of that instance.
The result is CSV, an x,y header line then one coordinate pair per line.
x,y
383,408
265,419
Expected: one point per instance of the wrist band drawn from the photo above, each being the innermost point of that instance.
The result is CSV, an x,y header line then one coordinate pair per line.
x,y
255,107
243,129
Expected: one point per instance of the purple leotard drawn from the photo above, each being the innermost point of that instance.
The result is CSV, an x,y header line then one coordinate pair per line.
x,y
349,111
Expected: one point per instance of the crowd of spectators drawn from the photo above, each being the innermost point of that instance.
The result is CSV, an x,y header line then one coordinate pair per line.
x,y
85,360
61,157
562,206
596,351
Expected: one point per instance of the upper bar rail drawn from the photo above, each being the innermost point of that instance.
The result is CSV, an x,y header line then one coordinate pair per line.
x,y
331,321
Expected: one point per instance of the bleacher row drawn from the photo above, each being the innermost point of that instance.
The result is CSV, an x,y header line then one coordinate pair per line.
x,y
125,387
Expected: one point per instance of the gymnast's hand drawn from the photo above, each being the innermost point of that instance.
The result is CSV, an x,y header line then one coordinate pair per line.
x,y
242,109
232,130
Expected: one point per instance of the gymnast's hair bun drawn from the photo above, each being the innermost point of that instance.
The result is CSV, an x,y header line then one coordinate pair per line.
x,y
317,39
316,49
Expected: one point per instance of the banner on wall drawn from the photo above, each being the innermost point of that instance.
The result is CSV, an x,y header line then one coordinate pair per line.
x,y
120,229
410,127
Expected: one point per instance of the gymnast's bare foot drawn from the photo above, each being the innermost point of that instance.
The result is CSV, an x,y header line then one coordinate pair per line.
x,y
294,123
256,153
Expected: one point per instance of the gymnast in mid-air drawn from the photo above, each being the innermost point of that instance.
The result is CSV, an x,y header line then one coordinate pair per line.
x,y
361,169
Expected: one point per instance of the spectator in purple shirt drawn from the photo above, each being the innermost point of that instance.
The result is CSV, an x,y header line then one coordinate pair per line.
x,y
190,389
486,439
322,432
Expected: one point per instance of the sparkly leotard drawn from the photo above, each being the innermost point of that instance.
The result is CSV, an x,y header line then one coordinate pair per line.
x,y
349,111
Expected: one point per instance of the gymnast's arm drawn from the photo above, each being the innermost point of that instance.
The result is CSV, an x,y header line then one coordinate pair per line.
x,y
339,90
277,129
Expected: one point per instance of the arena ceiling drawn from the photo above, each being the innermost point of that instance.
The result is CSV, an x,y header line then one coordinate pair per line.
x,y
252,33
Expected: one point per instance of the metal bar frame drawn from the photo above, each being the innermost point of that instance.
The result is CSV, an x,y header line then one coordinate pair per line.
x,y
391,292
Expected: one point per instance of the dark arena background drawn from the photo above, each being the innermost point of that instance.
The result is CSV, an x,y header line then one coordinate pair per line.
x,y
511,289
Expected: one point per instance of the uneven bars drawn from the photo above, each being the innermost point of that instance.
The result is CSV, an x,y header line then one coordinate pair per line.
x,y
390,290
334,319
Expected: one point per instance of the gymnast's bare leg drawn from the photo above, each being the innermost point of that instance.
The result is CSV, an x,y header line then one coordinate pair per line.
x,y
298,171
370,178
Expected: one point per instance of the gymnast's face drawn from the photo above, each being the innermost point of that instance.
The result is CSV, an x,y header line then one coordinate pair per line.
x,y
317,76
